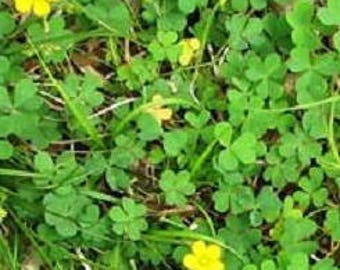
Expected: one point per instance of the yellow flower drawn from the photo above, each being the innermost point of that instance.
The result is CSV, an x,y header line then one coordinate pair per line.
x,y
3,214
188,48
157,111
40,8
203,257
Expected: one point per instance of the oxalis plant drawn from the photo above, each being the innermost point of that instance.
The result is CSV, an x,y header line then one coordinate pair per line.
x,y
169,134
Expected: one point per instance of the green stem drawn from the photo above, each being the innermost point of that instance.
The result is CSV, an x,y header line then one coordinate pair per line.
x,y
202,47
198,164
305,106
330,137
170,234
208,218
19,173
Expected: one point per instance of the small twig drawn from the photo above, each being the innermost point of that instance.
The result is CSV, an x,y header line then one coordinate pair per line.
x,y
82,257
112,107
127,56
213,59
66,142
315,258
223,56
167,212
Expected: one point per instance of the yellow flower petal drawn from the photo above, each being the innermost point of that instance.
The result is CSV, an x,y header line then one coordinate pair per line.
x,y
185,59
3,213
41,8
213,252
188,48
157,111
163,114
216,265
190,261
194,43
199,249
24,6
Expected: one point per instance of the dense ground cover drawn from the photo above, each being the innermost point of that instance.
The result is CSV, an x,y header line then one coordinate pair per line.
x,y
169,134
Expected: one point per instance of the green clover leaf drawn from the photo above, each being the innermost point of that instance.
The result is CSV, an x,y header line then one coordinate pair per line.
x,y
312,189
127,152
63,208
21,114
114,14
188,6
176,187
129,219
269,204
175,142
332,223
330,15
300,18
7,24
244,148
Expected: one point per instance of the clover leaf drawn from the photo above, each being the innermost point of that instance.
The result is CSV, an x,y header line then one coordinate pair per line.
x,y
188,6
268,73
7,24
129,219
300,18
293,230
21,114
55,51
299,144
127,152
281,171
244,150
240,5
165,47
150,128
269,204
330,15
239,234
237,198
114,14
223,132
332,223
175,142
176,187
312,190
63,208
